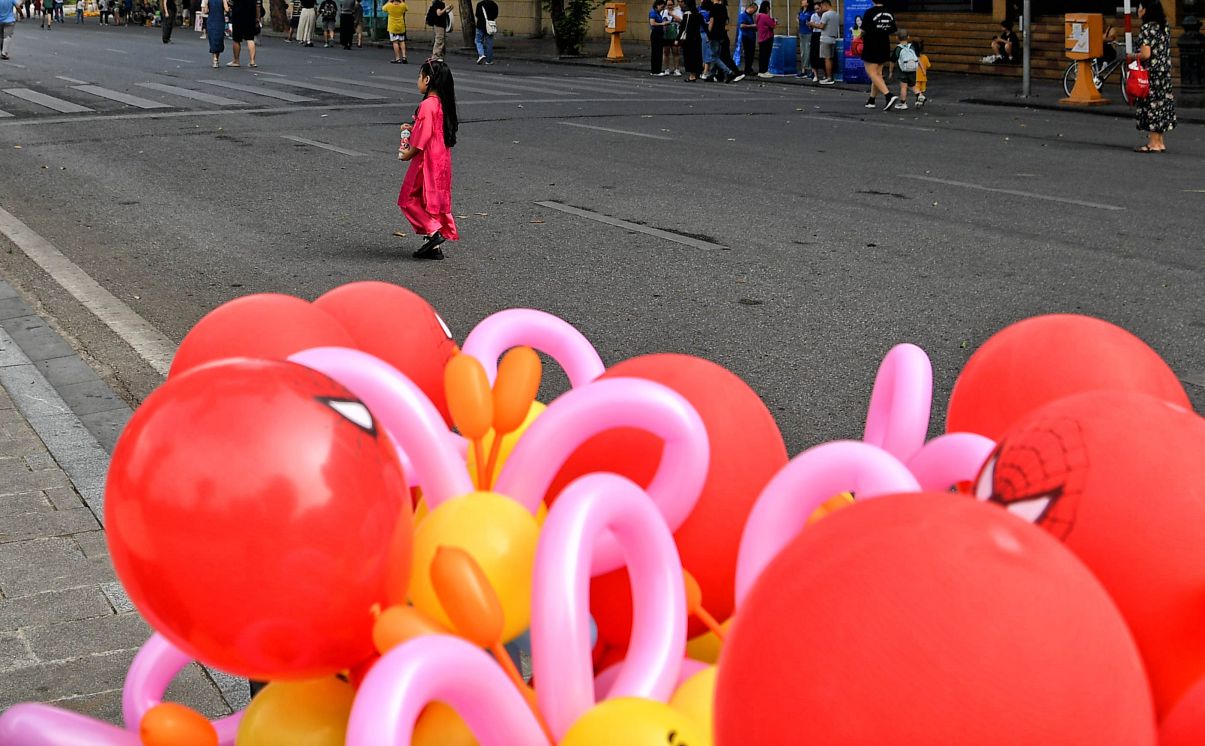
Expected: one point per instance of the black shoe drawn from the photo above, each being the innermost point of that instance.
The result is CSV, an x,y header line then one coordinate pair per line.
x,y
430,248
891,101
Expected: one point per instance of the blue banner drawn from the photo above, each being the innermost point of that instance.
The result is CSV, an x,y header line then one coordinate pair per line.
x,y
851,64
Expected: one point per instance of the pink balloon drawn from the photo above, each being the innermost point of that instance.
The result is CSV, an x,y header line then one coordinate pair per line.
x,y
43,725
440,668
898,417
591,510
582,413
153,669
803,485
541,331
949,459
605,680
410,418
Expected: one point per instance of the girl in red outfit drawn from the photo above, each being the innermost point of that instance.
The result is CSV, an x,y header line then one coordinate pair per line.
x,y
426,196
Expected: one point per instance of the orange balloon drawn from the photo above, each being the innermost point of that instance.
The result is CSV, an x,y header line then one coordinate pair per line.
x,y
469,397
515,389
832,505
694,594
170,724
399,624
466,596
439,725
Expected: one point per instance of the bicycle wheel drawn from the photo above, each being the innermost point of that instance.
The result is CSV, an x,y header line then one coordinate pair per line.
x,y
1069,76
1125,77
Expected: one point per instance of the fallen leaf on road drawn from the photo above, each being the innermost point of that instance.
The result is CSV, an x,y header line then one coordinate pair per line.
x,y
481,214
462,217
18,147
537,220
399,234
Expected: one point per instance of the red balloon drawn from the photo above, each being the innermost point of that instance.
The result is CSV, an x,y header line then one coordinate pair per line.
x,y
266,325
399,327
746,451
929,619
1119,477
1185,724
255,514
1045,358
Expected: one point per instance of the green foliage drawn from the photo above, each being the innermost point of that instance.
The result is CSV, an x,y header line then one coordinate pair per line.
x,y
570,21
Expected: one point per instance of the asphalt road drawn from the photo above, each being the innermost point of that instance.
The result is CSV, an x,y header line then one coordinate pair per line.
x,y
829,232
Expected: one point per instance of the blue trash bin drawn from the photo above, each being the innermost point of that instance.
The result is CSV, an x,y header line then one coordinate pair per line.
x,y
782,58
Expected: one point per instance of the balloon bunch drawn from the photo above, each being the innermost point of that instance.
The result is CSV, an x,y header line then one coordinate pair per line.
x,y
334,498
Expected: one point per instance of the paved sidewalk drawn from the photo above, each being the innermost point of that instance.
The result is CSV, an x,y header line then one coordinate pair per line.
x,y
67,630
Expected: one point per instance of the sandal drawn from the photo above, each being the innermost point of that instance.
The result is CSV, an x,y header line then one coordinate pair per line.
x,y
1149,149
233,64
253,65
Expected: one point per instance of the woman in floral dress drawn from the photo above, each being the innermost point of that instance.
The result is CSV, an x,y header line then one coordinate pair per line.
x,y
1156,112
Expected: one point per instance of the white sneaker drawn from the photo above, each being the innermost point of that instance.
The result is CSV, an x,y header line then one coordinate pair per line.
x,y
828,81
481,59
678,73
901,107
870,104
921,99
764,75
738,78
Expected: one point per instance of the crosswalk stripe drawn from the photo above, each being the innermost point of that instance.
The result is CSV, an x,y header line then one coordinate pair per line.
x,y
50,102
262,91
323,145
493,81
395,87
4,114
123,98
208,98
408,84
327,89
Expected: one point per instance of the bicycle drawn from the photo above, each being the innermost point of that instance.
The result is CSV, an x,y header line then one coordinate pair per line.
x,y
1101,70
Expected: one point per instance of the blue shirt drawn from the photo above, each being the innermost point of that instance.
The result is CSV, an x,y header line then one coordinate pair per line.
x,y
804,17
743,18
6,11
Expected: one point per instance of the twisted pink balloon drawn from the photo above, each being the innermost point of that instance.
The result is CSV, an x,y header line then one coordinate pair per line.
x,y
898,417
43,725
803,485
592,509
153,669
582,413
949,459
439,668
539,330
405,412
606,679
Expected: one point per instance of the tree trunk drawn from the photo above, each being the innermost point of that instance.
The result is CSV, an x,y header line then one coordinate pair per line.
x,y
279,15
468,23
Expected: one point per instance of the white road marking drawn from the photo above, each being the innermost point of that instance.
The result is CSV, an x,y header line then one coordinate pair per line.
x,y
323,145
122,98
1013,192
618,132
68,43
4,114
177,59
117,51
852,120
655,232
1196,379
260,90
271,75
137,332
50,102
395,87
327,89
208,98
71,80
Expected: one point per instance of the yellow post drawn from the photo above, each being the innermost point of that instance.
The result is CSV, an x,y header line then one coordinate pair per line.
x,y
1084,34
616,24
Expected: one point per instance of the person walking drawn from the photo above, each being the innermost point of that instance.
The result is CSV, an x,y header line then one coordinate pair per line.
x,y
396,26
347,22
8,23
244,27
79,11
328,11
47,15
1155,114
692,41
169,18
877,27
657,26
359,23
215,28
437,18
486,19
721,49
766,24
425,198
305,25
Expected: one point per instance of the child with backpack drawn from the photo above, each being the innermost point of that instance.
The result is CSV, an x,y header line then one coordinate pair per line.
x,y
922,72
426,195
907,62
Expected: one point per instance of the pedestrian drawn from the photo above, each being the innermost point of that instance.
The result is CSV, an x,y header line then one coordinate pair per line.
x,y
294,20
215,28
829,26
705,37
347,22
305,25
396,11
47,14
1155,114
127,10
28,9
437,19
692,41
169,18
1004,44
486,17
746,34
657,26
79,11
804,34
244,27
721,48
426,194
58,11
922,73
8,23
672,51
328,11
358,20
877,27
907,63
766,24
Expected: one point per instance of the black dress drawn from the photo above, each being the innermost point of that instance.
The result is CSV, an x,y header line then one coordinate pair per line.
x,y
692,42
1157,112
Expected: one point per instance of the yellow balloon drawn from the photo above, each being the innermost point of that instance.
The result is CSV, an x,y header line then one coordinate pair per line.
x,y
499,534
706,647
508,442
420,510
696,700
439,725
298,713
633,721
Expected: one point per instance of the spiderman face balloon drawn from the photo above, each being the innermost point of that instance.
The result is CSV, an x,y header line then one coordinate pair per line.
x,y
255,515
1119,477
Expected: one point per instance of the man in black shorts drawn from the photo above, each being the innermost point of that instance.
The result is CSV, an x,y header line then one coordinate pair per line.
x,y
244,27
877,27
